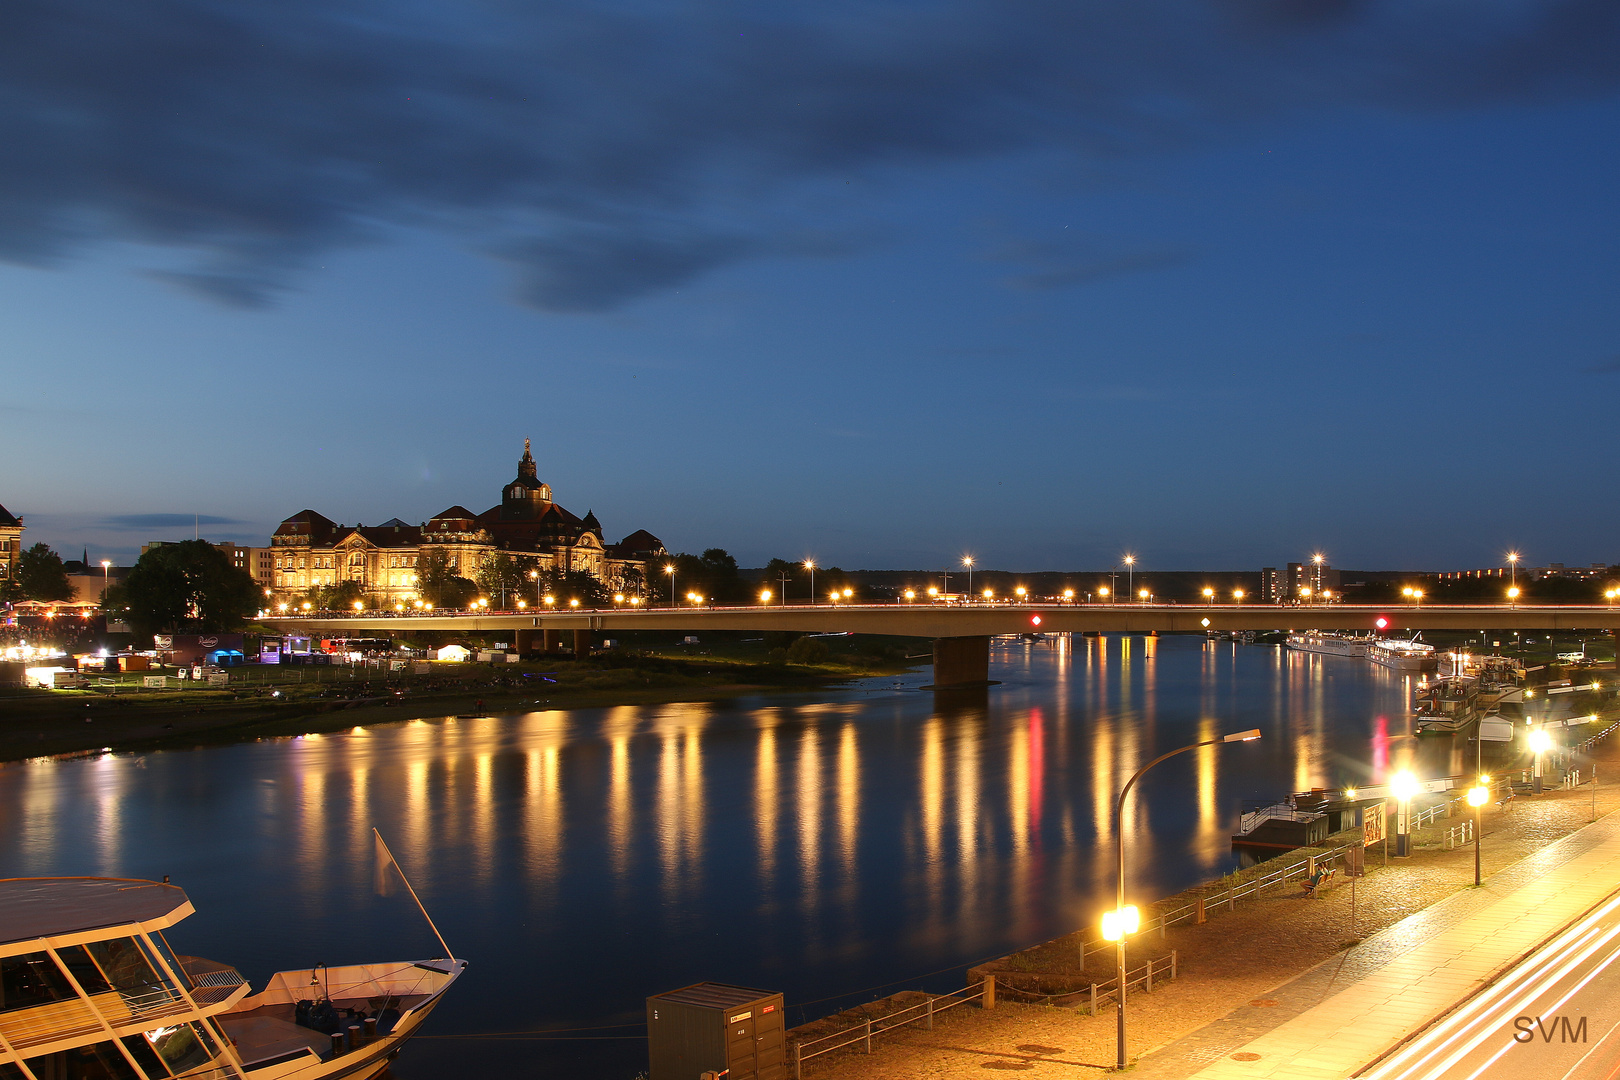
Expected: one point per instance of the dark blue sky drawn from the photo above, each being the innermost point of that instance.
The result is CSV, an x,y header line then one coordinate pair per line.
x,y
1220,283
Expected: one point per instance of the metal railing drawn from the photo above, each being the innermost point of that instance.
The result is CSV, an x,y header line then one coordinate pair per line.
x,y
1587,743
1276,812
870,1029
1458,835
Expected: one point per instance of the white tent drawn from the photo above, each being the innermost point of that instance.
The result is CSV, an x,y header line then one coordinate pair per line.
x,y
454,652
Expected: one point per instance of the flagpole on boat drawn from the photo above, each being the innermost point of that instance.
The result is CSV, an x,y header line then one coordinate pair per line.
x,y
382,847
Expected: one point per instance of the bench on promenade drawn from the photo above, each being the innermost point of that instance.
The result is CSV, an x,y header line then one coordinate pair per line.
x,y
1317,882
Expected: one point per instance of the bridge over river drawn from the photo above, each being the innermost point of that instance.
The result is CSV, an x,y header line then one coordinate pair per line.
x,y
961,633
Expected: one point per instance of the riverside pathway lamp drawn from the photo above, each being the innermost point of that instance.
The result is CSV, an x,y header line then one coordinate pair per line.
x,y
1209,595
1476,798
669,568
967,561
1130,573
1124,920
1403,786
810,565
1237,595
1540,743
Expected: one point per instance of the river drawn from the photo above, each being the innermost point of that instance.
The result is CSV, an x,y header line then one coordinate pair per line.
x,y
833,847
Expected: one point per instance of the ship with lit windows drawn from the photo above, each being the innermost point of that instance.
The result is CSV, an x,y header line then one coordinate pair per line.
x,y
89,988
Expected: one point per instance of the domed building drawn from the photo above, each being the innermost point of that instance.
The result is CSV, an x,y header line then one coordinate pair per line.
x,y
310,550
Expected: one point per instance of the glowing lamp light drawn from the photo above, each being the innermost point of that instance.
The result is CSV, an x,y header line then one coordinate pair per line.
x,y
573,602
358,606
764,596
1349,793
933,591
1478,795
1122,923
1404,785
1540,741
1068,594
848,593
910,595
988,593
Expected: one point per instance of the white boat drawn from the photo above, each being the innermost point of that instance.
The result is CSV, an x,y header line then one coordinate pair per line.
x,y
1403,654
1329,644
89,987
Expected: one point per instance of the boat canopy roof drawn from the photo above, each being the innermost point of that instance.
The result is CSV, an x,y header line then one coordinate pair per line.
x,y
33,908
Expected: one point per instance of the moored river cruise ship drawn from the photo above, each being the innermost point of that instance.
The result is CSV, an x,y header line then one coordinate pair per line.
x,y
1329,644
1403,654
90,988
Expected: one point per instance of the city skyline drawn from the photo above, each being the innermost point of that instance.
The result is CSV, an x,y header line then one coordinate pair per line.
x,y
1044,284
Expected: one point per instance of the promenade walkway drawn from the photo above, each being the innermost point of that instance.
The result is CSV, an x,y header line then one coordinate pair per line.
x,y
1334,1021
1295,1016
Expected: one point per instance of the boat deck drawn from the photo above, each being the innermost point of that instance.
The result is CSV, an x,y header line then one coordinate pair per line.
x,y
272,1031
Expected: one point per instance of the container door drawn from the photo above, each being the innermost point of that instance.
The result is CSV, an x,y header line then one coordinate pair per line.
x,y
770,1045
740,1055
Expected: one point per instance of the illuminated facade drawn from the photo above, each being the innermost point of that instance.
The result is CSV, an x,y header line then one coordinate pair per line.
x,y
11,530
309,550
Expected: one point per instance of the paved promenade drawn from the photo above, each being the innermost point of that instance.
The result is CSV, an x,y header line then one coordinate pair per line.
x,y
1270,979
1337,1019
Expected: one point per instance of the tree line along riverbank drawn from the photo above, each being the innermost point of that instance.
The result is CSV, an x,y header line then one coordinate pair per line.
x,y
295,700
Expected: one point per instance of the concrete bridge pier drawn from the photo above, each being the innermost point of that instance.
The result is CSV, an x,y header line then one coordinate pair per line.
x,y
582,644
961,661
550,640
524,642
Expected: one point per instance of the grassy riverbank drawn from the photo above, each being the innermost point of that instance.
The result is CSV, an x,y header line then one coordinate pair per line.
x,y
300,700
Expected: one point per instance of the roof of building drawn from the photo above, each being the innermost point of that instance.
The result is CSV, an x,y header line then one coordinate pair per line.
x,y
391,535
7,521
640,540
33,908
455,513
307,523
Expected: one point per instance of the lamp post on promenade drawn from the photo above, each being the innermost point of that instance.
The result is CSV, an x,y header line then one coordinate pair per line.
x,y
1540,743
967,561
810,565
1476,798
1123,921
1403,786
669,568
1130,573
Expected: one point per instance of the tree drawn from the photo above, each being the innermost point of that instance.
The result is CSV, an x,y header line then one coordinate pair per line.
x,y
434,575
190,586
337,597
629,580
40,575
506,577
579,585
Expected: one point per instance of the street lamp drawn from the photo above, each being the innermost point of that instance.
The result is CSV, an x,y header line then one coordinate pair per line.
x,y
910,595
1403,786
1068,594
1130,569
810,565
669,568
1102,591
1476,798
1124,920
1512,594
967,561
1237,595
1540,743
764,596
106,580
1019,592
1209,595
1142,595
1513,568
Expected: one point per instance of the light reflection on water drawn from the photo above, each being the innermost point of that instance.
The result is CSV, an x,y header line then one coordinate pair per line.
x,y
582,860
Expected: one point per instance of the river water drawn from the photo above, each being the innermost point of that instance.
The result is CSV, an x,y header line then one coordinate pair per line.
x,y
833,847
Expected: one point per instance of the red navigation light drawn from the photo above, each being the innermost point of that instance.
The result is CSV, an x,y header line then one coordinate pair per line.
x,y
1381,622
1034,620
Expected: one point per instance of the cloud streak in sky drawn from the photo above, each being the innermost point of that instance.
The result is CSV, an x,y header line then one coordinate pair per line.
x,y
611,150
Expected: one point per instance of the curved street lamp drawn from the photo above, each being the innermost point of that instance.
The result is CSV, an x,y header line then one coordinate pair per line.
x,y
1120,923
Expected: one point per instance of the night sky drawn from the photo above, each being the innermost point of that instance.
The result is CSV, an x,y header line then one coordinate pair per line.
x,y
1219,283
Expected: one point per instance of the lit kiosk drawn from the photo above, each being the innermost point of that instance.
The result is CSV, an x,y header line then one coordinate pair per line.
x,y
89,988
